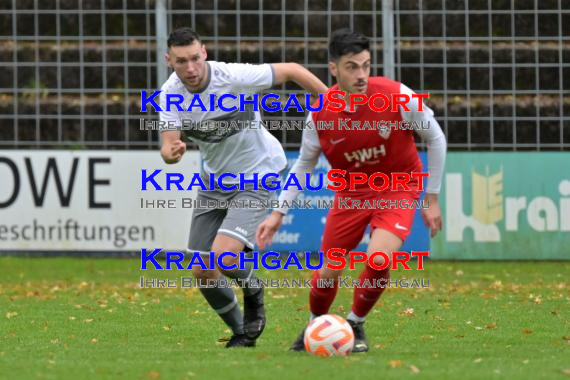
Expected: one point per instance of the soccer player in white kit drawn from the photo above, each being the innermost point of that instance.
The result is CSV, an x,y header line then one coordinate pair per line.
x,y
232,150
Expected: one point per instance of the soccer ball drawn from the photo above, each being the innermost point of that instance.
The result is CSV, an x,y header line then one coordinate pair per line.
x,y
329,335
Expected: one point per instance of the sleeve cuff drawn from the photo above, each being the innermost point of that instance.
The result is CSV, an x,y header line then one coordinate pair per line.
x,y
272,75
281,210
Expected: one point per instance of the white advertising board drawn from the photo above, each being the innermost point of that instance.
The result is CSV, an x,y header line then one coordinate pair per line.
x,y
90,201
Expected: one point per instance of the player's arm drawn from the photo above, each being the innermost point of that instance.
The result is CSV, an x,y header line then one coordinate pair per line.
x,y
172,147
249,79
437,151
308,158
293,72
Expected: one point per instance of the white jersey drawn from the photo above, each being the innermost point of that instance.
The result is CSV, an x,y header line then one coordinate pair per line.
x,y
245,150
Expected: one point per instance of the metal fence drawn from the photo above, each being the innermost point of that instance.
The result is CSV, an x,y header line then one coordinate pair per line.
x,y
498,72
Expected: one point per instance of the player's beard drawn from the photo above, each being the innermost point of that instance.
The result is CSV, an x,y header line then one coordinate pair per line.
x,y
360,87
195,82
353,87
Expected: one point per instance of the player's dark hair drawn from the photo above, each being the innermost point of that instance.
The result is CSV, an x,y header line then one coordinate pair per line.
x,y
182,37
346,41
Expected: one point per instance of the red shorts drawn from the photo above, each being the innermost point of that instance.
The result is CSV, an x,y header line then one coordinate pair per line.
x,y
346,222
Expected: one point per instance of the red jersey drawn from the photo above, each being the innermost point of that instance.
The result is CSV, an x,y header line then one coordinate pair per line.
x,y
390,150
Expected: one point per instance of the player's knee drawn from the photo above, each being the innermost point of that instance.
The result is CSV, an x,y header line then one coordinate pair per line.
x,y
228,262
329,274
378,261
227,252
204,274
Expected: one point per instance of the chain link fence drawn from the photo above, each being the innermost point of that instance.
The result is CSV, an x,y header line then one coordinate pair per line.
x,y
498,72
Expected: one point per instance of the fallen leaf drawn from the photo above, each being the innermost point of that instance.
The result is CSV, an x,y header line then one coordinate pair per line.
x,y
133,297
83,285
537,300
459,272
566,371
94,341
89,320
153,375
11,314
567,338
498,285
527,331
414,369
395,363
491,326
166,328
409,312
72,318
478,360
525,361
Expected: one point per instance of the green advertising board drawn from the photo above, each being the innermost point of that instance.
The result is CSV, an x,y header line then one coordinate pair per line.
x,y
505,206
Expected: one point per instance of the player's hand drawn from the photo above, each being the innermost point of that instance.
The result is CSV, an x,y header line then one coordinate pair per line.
x,y
266,230
172,152
432,214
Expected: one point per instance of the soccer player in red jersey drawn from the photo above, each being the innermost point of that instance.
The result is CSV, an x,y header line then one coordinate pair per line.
x,y
368,151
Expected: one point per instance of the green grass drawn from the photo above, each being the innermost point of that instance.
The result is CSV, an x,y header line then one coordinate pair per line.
x,y
87,318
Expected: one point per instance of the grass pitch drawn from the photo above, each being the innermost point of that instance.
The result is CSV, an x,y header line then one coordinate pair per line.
x,y
70,318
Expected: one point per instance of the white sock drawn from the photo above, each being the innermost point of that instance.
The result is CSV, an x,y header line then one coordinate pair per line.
x,y
355,318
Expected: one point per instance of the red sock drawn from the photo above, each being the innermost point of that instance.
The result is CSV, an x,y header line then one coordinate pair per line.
x,y
365,298
321,299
